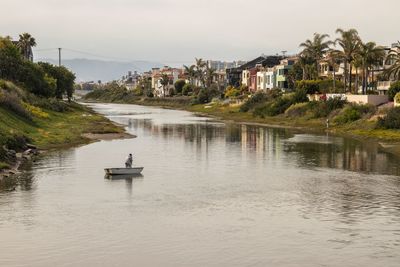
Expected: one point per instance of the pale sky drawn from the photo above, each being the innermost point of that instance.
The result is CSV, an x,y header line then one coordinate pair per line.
x,y
179,30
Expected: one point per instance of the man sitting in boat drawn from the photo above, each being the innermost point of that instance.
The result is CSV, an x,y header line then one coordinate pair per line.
x,y
128,162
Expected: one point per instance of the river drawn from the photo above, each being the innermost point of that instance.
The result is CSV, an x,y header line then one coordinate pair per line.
x,y
211,194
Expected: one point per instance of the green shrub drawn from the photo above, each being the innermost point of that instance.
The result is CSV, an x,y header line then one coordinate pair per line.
x,y
309,86
232,92
397,98
12,102
187,89
391,120
255,100
179,84
297,110
321,109
393,90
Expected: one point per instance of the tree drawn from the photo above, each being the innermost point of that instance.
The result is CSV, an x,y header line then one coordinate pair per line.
x,y
190,72
369,55
165,80
349,41
25,44
200,65
64,79
333,60
316,48
209,75
394,58
179,84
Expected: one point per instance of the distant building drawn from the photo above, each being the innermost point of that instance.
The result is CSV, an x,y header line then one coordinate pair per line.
x,y
131,80
173,74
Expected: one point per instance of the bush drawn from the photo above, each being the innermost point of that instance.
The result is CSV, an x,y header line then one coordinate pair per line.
x,y
255,100
12,102
391,120
297,110
280,104
309,86
187,89
232,92
393,90
321,109
179,84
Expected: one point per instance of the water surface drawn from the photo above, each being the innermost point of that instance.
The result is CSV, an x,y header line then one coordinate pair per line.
x,y
212,194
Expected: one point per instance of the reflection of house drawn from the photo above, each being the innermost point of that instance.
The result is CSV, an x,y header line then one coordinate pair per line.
x,y
156,80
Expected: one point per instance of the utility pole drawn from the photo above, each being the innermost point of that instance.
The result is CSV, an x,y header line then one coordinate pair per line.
x,y
59,56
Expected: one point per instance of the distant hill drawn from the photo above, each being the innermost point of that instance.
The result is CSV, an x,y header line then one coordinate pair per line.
x,y
94,70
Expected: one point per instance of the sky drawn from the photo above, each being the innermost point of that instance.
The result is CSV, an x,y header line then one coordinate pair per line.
x,y
176,31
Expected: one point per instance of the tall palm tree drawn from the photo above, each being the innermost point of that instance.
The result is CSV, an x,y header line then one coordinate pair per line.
x,y
349,41
190,72
369,56
25,44
333,60
200,65
165,81
316,48
393,72
209,75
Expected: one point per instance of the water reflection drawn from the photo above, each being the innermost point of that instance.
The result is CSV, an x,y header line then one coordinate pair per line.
x,y
307,150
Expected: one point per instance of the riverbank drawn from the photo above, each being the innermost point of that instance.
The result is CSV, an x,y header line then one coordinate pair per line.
x,y
75,126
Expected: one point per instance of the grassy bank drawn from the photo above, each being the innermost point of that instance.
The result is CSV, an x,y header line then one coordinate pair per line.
x,y
61,124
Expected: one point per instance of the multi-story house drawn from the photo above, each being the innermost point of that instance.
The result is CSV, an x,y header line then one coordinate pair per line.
x,y
281,72
159,89
235,76
266,79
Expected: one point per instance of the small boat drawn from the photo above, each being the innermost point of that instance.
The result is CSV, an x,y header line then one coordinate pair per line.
x,y
123,171
123,176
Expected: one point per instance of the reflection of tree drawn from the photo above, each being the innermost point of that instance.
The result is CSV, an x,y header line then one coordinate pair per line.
x,y
349,155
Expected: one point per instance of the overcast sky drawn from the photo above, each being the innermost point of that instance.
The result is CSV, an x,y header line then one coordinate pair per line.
x,y
179,30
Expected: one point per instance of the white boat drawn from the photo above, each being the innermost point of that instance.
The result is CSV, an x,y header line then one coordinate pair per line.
x,y
122,171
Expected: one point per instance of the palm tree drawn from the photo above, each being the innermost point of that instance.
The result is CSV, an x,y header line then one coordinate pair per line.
x,y
165,80
316,48
349,41
210,74
333,60
369,56
25,44
394,58
200,64
190,72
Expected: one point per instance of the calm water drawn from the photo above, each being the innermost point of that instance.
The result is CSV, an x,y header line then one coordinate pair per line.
x,y
211,195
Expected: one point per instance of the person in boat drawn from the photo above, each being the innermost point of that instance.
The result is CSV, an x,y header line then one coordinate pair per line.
x,y
129,161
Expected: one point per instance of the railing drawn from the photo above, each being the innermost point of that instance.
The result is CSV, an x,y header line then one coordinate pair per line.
x,y
384,85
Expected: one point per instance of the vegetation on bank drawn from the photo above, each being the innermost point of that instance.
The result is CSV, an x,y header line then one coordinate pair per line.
x,y
32,105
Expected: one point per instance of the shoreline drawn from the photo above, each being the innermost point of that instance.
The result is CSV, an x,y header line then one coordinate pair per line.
x,y
94,129
389,140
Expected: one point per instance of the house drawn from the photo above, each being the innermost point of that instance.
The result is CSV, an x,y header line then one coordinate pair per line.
x,y
266,79
281,72
131,80
234,75
173,74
